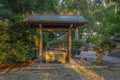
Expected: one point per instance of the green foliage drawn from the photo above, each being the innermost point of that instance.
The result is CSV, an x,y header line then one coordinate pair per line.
x,y
76,45
16,41
18,6
57,42
4,47
47,38
16,46
20,53
105,44
36,40
113,26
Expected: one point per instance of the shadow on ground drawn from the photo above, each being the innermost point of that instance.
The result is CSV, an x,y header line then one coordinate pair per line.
x,y
72,71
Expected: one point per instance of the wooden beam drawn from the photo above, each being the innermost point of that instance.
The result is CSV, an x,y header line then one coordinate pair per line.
x,y
69,42
76,33
41,43
55,30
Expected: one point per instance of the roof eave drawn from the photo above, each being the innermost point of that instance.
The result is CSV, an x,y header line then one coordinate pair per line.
x,y
48,21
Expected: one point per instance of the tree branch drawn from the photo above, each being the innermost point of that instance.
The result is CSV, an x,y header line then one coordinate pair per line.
x,y
3,28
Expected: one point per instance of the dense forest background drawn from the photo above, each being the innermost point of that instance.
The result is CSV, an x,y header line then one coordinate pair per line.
x,y
17,40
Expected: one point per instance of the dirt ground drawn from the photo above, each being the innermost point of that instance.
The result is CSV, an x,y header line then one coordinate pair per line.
x,y
72,71
64,74
108,73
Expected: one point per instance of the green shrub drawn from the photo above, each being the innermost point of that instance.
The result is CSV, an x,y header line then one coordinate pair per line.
x,y
16,46
76,45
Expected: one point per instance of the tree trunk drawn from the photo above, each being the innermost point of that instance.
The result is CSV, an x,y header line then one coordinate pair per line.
x,y
99,57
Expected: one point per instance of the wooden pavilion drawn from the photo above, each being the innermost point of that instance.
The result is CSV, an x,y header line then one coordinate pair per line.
x,y
55,23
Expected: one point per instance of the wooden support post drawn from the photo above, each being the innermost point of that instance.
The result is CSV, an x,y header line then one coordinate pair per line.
x,y
69,42
41,44
76,33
